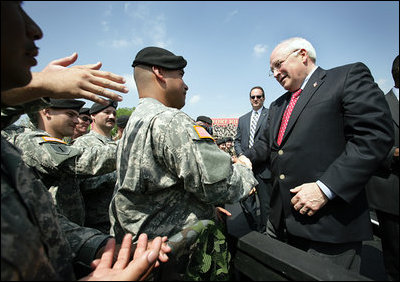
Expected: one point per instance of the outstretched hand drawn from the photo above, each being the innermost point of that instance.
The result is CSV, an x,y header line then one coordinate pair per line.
x,y
125,269
84,81
58,80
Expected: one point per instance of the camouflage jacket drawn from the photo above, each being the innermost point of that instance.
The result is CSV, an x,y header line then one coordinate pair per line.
x,y
60,165
36,242
170,173
97,191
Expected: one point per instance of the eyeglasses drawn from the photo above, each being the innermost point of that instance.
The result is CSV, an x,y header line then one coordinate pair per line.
x,y
256,96
86,119
277,66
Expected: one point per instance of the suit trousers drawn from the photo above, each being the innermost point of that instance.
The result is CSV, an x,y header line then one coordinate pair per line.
x,y
389,232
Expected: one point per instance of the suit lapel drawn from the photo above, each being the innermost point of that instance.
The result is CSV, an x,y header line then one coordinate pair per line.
x,y
394,106
260,119
315,81
246,121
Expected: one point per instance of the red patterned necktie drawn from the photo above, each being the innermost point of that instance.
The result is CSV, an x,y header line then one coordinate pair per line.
x,y
286,115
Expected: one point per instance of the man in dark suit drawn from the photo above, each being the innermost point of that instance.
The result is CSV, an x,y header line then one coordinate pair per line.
x,y
244,140
322,155
383,189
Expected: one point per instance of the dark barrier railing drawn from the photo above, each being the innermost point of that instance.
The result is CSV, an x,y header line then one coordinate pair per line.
x,y
259,257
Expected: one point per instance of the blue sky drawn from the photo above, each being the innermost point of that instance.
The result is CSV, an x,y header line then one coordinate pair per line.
x,y
226,43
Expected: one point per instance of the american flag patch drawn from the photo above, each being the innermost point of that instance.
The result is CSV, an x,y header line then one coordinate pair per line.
x,y
52,139
202,132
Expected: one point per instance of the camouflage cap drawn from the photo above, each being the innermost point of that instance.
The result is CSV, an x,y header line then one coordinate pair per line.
x,y
155,56
97,107
66,104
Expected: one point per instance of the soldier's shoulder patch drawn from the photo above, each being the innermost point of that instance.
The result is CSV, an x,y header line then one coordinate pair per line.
x,y
201,132
52,139
60,149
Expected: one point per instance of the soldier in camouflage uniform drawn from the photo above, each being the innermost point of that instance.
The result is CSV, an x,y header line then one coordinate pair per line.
x,y
170,173
59,164
36,242
97,191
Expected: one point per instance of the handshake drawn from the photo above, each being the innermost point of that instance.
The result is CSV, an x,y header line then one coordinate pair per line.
x,y
242,159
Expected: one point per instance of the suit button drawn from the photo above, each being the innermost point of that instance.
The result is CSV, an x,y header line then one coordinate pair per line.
x,y
282,176
280,152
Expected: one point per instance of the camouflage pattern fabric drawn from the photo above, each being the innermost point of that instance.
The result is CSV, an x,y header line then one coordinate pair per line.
x,y
37,243
168,176
203,252
97,191
60,165
10,114
32,244
11,132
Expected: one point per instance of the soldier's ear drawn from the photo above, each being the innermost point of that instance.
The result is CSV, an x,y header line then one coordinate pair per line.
x,y
45,112
159,73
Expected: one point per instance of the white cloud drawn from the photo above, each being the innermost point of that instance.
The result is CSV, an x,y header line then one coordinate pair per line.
x,y
260,49
231,15
120,43
105,25
194,99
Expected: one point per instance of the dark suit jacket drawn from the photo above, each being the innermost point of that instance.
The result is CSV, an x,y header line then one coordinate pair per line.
x,y
383,188
339,132
243,135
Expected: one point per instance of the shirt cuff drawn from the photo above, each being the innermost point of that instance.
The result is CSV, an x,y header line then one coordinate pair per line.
x,y
328,192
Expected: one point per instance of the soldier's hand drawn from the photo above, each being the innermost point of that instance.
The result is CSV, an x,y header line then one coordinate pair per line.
x,y
81,81
222,213
242,159
163,257
124,268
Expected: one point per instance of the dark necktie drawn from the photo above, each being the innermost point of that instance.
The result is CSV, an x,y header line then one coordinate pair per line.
x,y
286,115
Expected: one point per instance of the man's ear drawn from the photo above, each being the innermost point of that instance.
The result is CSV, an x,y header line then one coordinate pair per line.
x,y
46,112
159,73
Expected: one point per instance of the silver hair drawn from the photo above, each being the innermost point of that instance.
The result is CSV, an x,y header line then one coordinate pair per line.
x,y
295,43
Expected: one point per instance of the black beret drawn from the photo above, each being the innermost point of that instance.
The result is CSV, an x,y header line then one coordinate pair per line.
x,y
204,119
122,121
155,56
227,139
221,141
84,111
66,104
97,107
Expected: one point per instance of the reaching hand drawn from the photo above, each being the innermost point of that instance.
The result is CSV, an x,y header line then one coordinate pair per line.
x,y
82,81
243,160
144,260
222,213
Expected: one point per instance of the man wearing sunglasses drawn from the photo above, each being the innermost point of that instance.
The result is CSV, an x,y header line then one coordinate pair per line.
x,y
84,122
250,127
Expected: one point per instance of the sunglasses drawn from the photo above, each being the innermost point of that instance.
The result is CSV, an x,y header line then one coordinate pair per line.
x,y
258,97
86,119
